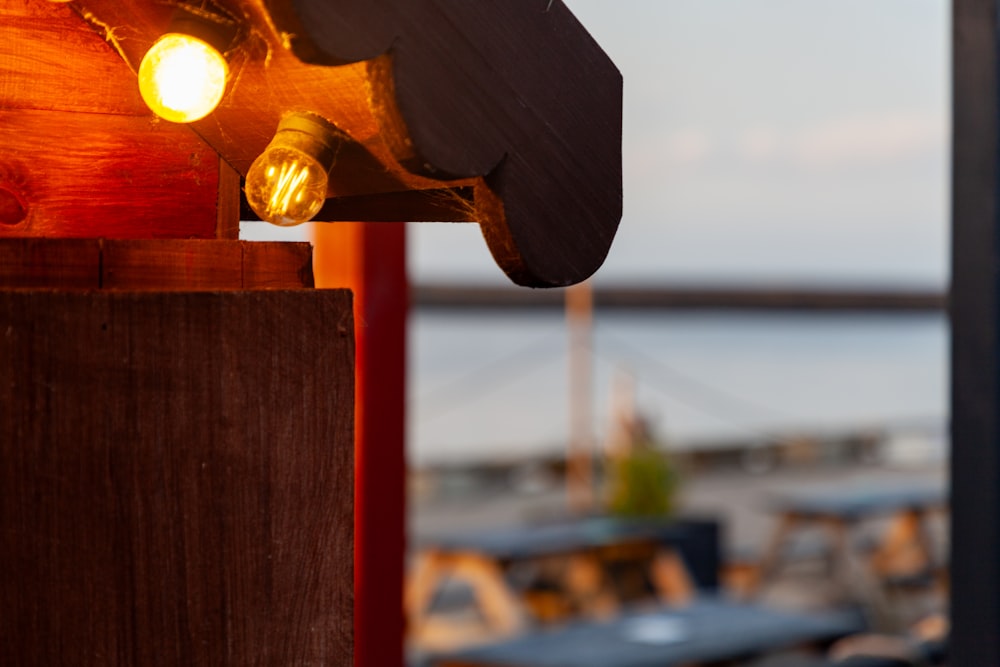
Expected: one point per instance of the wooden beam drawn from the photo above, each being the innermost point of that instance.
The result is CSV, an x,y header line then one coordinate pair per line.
x,y
277,265
437,205
228,206
85,175
38,263
169,264
975,336
172,265
512,99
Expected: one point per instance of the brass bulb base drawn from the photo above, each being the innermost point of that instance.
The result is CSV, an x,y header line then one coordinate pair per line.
x,y
216,30
310,133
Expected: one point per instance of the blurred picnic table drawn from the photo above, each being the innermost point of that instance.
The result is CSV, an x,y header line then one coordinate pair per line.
x,y
902,548
708,631
531,574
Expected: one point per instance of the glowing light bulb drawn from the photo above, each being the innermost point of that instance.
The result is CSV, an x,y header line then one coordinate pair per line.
x,y
182,78
286,187
287,184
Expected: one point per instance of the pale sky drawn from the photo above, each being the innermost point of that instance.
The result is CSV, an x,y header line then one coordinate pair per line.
x,y
768,141
800,141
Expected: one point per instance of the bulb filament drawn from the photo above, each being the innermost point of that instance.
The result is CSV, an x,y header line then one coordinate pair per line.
x,y
287,187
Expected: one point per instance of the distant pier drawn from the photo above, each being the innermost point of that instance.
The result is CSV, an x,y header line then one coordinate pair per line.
x,y
647,297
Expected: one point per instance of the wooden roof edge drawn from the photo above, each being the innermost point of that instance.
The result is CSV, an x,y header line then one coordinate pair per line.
x,y
513,101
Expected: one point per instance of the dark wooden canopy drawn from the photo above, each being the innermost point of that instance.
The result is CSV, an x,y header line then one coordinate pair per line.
x,y
504,112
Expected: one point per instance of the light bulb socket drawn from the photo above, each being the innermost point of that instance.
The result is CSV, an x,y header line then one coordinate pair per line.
x,y
213,28
310,133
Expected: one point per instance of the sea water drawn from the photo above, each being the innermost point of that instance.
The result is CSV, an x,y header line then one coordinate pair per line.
x,y
488,385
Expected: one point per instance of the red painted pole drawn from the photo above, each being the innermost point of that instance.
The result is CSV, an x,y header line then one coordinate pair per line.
x,y
370,258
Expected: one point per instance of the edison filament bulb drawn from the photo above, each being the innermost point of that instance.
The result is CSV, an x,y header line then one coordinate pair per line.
x,y
287,184
182,78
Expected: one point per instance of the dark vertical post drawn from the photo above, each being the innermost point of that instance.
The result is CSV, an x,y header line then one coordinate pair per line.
x,y
370,258
975,362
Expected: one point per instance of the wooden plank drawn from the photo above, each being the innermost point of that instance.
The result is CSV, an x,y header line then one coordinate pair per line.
x,y
438,205
277,265
175,478
93,175
169,264
371,260
173,265
511,98
975,336
65,263
452,204
228,208
49,59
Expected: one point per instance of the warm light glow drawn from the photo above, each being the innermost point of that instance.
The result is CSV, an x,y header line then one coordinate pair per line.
x,y
286,186
182,78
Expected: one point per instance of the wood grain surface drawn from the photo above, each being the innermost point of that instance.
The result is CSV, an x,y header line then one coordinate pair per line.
x,y
80,154
40,262
168,264
51,60
97,175
176,478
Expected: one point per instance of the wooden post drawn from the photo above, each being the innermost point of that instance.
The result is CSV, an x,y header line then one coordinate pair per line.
x,y
624,416
175,477
579,457
370,258
975,337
